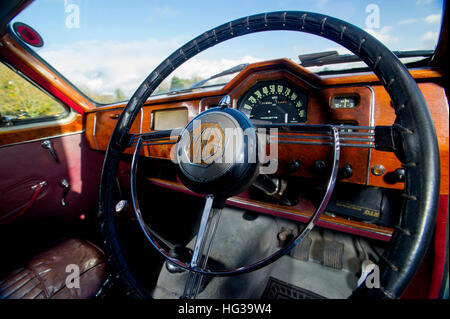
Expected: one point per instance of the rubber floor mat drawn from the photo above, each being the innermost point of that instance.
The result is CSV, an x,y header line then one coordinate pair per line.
x,y
277,289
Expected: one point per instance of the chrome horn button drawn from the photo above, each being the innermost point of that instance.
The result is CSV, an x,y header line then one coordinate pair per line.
x,y
217,152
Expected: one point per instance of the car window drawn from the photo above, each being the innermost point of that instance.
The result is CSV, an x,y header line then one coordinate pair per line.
x,y
22,102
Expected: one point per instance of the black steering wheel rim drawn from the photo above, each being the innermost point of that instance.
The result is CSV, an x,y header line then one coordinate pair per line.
x,y
420,155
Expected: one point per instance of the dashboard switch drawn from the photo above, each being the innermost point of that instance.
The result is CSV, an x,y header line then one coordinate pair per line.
x,y
346,171
320,167
293,166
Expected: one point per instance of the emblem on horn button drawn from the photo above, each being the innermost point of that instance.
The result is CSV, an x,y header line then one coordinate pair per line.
x,y
206,144
217,151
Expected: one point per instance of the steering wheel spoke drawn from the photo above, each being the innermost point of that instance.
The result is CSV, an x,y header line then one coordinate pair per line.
x,y
203,244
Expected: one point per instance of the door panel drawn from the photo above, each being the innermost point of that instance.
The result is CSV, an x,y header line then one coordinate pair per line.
x,y
26,165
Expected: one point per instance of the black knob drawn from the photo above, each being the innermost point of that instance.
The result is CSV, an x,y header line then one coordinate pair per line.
x,y
346,171
320,167
397,176
293,166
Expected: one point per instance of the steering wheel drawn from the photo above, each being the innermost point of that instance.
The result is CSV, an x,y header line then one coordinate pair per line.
x,y
411,137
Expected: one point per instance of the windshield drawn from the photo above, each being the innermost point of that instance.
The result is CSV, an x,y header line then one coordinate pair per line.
x,y
107,47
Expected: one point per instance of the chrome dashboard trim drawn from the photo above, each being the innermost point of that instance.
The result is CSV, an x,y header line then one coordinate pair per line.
x,y
371,123
142,119
94,130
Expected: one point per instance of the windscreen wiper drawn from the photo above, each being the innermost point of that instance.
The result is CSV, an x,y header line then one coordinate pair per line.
x,y
232,70
333,57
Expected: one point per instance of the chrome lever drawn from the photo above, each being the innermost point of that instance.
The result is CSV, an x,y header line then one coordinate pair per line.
x,y
47,144
41,184
64,184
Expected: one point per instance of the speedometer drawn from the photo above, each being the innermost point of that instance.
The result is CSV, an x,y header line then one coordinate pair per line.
x,y
274,101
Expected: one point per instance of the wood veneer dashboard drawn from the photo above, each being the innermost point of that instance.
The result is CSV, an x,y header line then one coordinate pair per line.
x,y
373,108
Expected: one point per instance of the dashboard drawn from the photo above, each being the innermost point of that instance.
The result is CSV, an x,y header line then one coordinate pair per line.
x,y
281,91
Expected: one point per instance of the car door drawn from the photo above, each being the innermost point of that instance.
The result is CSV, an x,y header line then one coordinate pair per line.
x,y
46,167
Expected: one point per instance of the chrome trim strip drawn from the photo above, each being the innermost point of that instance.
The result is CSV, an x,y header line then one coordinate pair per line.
x,y
152,119
142,118
326,143
371,123
94,130
321,137
43,138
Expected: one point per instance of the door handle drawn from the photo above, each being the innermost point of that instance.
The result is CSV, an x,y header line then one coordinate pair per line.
x,y
47,144
66,186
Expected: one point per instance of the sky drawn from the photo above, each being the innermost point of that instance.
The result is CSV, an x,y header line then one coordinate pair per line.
x,y
109,44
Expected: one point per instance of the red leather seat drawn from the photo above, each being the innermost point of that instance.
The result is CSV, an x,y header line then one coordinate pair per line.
x,y
44,276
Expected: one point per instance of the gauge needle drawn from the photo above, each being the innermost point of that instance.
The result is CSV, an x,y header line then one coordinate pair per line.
x,y
286,115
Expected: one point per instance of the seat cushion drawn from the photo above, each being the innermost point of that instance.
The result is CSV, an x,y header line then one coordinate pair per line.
x,y
45,275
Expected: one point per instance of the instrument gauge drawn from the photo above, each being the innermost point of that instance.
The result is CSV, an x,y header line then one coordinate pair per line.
x,y
344,102
274,102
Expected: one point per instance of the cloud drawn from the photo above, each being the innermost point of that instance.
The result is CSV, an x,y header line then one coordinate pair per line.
x,y
429,39
408,21
103,67
430,35
424,1
322,3
433,19
207,67
167,11
384,35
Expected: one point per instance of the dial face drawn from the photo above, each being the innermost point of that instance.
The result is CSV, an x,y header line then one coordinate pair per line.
x,y
275,102
345,102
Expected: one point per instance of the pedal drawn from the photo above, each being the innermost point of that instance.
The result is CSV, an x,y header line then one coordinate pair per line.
x,y
333,252
301,251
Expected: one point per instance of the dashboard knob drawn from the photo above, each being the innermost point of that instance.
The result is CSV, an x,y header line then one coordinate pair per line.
x,y
320,167
397,176
293,166
346,171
